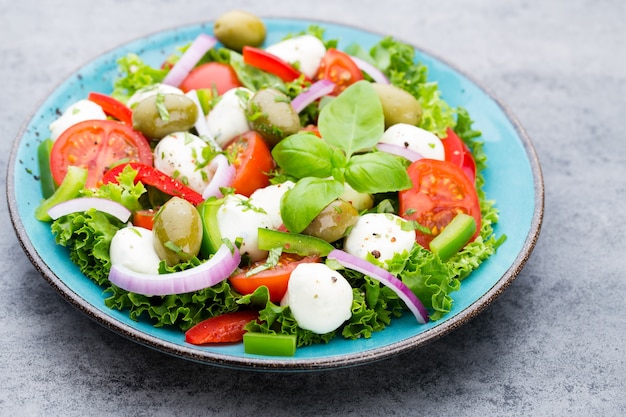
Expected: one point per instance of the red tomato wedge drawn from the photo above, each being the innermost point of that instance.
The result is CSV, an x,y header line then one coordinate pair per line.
x,y
275,278
457,152
148,175
97,145
112,107
271,63
312,129
440,191
144,218
453,147
469,165
253,162
226,328
212,75
338,67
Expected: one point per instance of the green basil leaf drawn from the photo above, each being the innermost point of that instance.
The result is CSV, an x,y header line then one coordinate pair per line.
x,y
301,204
304,155
353,121
377,172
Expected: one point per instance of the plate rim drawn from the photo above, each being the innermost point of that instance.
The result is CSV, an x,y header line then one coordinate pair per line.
x,y
273,363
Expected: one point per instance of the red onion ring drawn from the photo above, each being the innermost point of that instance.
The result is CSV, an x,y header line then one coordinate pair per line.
x,y
82,204
205,275
376,74
399,150
317,90
189,59
386,278
223,176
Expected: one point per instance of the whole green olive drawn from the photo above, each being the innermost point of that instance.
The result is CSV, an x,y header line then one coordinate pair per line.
x,y
333,222
237,29
360,201
272,116
159,115
177,231
399,106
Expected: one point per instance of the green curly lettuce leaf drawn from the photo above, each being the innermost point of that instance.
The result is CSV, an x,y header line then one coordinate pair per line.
x,y
87,236
437,115
177,310
373,306
135,75
319,32
472,138
125,192
430,279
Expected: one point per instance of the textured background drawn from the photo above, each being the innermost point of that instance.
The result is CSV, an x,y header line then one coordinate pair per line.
x,y
552,344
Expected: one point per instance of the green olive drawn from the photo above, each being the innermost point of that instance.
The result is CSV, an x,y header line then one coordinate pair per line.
x,y
177,231
237,29
360,201
399,106
159,115
271,115
333,222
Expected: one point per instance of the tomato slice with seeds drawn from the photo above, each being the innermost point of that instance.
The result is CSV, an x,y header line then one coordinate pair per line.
x,y
440,191
253,162
338,67
96,145
275,278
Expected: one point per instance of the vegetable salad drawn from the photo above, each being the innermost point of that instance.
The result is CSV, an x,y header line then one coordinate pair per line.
x,y
280,195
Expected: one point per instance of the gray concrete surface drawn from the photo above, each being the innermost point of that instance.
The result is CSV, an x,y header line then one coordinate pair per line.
x,y
551,345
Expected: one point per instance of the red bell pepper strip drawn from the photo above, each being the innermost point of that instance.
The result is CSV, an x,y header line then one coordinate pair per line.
x,y
149,175
112,107
226,328
268,62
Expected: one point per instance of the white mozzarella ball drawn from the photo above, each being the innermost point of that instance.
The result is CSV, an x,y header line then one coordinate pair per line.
x,y
416,139
179,155
78,112
133,248
268,198
228,119
150,91
379,234
238,218
319,297
305,52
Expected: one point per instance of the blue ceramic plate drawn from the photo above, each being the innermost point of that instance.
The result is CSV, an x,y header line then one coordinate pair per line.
x,y
513,179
